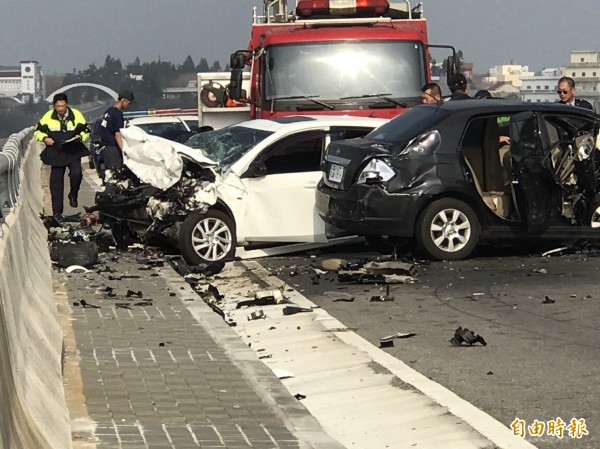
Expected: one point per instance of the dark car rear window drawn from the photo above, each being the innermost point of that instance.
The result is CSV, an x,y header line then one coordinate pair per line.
x,y
409,125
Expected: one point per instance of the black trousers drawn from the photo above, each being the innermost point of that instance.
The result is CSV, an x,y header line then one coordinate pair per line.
x,y
112,157
57,184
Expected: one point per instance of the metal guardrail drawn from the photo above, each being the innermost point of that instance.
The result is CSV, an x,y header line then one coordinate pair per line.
x,y
11,155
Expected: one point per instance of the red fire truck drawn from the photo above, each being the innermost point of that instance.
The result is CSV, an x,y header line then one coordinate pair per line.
x,y
355,57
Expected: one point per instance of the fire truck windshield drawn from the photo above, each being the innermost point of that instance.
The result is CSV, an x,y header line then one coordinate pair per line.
x,y
347,69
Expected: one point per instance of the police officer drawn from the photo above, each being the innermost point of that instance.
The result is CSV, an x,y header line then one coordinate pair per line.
x,y
566,94
110,131
63,129
458,87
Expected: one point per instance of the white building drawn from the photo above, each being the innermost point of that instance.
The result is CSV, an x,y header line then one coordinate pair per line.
x,y
508,73
540,88
25,82
584,68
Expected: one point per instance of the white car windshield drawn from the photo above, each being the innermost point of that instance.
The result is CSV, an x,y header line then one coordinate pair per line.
x,y
226,146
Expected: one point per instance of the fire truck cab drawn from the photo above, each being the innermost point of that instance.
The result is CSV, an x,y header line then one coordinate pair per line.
x,y
356,57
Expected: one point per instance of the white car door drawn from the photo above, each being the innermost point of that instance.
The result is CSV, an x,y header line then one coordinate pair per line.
x,y
280,186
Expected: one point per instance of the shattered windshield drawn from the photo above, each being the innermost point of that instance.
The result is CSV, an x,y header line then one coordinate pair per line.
x,y
227,145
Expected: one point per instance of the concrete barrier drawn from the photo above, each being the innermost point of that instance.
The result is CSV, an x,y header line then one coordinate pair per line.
x,y
33,412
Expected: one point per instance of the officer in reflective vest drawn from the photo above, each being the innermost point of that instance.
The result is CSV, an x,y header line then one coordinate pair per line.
x,y
63,129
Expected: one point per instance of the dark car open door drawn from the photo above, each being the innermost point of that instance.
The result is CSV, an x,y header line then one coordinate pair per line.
x,y
535,188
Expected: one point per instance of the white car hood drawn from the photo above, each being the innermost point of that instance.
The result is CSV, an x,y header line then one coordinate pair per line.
x,y
157,161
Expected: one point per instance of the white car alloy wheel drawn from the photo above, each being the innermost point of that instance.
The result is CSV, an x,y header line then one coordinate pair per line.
x,y
207,237
450,230
212,239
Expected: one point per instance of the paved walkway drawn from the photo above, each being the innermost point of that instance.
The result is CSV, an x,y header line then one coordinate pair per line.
x,y
163,370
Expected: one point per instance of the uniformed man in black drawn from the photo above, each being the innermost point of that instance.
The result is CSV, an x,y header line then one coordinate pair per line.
x,y
566,93
110,131
458,87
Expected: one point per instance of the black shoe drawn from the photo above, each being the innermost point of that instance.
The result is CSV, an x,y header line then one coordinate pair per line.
x,y
58,217
73,201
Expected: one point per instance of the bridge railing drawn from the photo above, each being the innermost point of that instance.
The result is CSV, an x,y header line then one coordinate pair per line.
x,y
11,155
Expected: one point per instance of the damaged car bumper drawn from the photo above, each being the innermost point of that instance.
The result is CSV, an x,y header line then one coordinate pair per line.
x,y
365,209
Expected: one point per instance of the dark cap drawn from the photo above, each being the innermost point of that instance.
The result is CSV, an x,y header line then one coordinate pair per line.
x,y
457,81
126,94
482,94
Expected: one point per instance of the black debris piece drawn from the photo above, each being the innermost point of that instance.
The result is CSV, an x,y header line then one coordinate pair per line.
x,y
299,396
131,293
85,304
75,303
386,342
145,303
366,272
122,305
213,292
130,276
262,298
466,336
115,278
490,373
292,310
548,300
266,356
161,345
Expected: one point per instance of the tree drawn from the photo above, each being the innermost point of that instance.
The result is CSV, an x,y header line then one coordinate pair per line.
x,y
202,66
188,65
216,67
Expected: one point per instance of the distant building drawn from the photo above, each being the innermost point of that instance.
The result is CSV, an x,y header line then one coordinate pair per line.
x,y
509,73
540,88
584,68
503,89
25,82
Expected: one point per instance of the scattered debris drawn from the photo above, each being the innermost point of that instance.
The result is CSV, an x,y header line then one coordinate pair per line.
x,y
299,396
147,302
383,298
77,269
333,264
131,293
390,272
283,374
540,270
263,298
258,315
466,336
292,310
401,335
489,373
476,296
122,305
386,342
548,300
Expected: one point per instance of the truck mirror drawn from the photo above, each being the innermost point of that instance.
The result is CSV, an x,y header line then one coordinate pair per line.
x,y
235,84
452,65
237,60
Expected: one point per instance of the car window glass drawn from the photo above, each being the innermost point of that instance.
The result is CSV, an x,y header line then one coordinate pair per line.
x,y
162,129
524,135
409,124
227,145
338,133
561,127
296,154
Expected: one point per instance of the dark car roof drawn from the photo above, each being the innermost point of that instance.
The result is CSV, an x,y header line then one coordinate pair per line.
x,y
498,106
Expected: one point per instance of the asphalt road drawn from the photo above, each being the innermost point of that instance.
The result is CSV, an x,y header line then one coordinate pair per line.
x,y
541,361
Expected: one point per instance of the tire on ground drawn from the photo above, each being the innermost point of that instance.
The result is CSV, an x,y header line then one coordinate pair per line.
x,y
448,229
206,238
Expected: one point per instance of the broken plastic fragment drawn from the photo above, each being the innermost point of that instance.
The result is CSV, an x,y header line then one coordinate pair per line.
x,y
548,300
77,268
283,374
258,315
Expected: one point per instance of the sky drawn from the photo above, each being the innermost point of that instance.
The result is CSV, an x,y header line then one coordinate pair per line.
x,y
72,34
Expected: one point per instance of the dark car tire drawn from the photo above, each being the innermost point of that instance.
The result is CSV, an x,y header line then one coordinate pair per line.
x,y
448,229
209,99
385,244
207,238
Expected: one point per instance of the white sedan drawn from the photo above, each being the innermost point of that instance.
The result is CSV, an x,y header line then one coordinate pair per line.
x,y
263,190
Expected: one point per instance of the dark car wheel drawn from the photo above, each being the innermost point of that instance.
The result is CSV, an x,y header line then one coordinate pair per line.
x,y
206,238
448,229
386,244
595,216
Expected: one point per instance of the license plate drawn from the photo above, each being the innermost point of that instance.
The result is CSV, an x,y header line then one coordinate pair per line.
x,y
336,173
